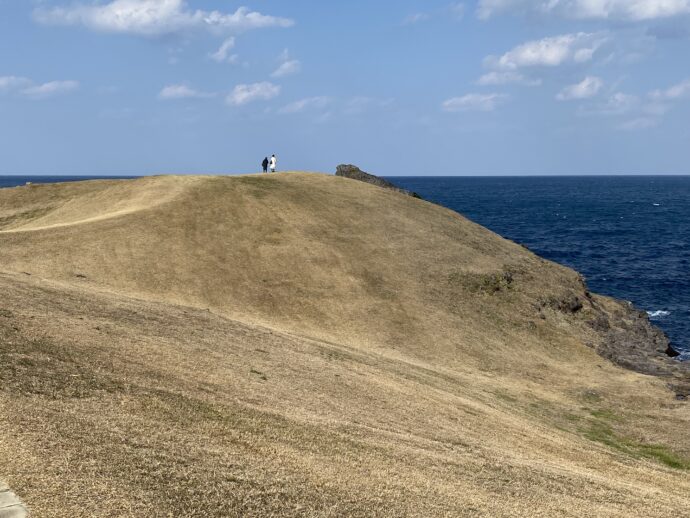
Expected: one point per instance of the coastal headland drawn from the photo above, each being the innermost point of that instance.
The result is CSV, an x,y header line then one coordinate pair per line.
x,y
308,345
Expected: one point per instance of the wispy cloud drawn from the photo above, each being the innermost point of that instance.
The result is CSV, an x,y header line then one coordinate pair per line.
x,y
414,18
9,83
50,89
635,10
619,103
248,93
454,11
640,123
26,87
305,104
155,17
675,92
549,52
474,102
587,88
181,91
287,69
288,65
506,77
638,113
223,54
657,103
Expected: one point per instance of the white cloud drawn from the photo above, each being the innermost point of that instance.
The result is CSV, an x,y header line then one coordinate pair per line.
x,y
589,87
223,55
506,77
488,8
474,102
244,94
9,83
616,104
28,88
661,101
287,68
549,52
50,89
636,10
155,17
621,103
675,92
304,104
641,112
173,92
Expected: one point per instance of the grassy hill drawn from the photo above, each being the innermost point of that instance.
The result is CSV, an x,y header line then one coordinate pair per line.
x,y
306,345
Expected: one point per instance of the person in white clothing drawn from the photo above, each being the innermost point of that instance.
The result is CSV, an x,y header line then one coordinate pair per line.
x,y
274,162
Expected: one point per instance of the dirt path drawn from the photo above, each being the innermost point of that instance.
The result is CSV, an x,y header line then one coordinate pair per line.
x,y
10,505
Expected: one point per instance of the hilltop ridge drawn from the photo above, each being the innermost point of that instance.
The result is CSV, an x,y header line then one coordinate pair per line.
x,y
303,344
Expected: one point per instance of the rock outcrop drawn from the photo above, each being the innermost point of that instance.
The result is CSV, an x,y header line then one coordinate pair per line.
x,y
633,342
355,173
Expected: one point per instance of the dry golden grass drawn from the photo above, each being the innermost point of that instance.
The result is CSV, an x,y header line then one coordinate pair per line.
x,y
304,345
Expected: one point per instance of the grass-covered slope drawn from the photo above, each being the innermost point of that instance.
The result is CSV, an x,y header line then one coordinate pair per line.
x,y
301,345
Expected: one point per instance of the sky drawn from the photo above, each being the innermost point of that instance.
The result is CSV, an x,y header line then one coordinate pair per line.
x,y
404,87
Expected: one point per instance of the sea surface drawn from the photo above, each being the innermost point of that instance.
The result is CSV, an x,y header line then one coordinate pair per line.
x,y
628,235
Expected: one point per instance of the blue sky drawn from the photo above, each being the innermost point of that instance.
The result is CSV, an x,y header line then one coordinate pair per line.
x,y
398,87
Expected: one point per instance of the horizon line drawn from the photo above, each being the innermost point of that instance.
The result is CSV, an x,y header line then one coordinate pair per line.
x,y
498,175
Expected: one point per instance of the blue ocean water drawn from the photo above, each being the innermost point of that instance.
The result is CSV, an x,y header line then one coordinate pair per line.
x,y
628,235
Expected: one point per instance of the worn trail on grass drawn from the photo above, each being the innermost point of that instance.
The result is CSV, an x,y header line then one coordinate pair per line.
x,y
10,504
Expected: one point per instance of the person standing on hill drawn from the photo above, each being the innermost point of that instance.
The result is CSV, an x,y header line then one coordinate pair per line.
x,y
264,164
274,163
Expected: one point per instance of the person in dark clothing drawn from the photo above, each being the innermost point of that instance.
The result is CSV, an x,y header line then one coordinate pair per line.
x,y
264,164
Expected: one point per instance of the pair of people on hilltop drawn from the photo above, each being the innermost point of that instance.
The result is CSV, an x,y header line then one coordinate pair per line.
x,y
269,163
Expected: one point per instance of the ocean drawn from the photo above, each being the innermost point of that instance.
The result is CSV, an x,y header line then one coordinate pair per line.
x,y
628,235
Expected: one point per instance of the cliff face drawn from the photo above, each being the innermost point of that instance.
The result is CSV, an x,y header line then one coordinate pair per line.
x,y
630,340
295,343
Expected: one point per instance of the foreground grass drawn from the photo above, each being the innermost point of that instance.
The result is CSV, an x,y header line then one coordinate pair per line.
x,y
300,345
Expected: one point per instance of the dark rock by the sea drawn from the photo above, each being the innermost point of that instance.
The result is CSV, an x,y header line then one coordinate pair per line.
x,y
355,173
630,340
